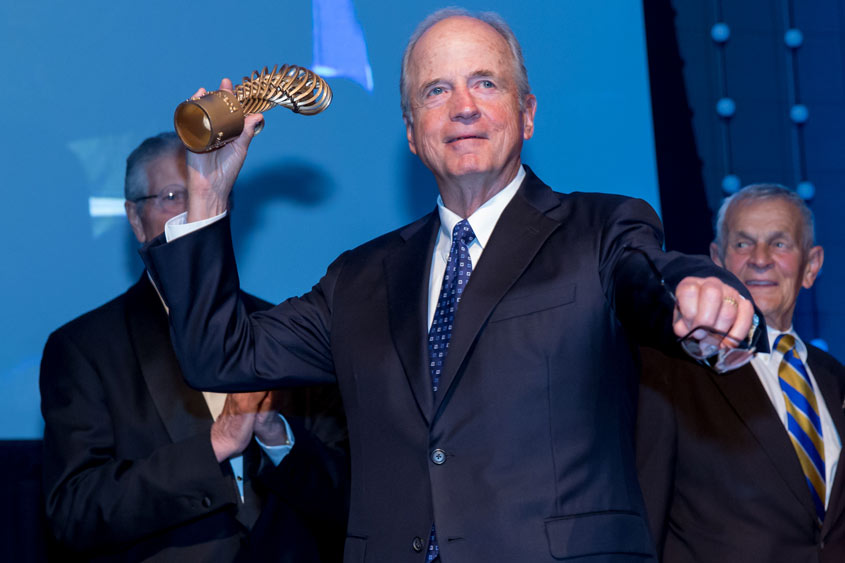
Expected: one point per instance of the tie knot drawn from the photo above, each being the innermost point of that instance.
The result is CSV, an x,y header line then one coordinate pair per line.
x,y
463,233
784,343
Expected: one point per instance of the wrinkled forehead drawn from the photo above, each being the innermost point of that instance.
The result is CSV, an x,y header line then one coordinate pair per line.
x,y
764,216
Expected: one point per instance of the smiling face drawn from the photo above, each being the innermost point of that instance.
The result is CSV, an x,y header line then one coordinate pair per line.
x,y
465,107
765,249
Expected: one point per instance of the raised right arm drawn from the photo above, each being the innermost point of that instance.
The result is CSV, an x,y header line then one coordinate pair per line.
x,y
219,345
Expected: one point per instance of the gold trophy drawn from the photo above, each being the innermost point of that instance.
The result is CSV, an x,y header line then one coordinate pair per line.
x,y
211,121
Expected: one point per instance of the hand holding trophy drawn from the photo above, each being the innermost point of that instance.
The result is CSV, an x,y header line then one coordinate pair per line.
x,y
216,118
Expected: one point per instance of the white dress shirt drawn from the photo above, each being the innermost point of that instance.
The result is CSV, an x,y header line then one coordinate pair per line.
x,y
766,366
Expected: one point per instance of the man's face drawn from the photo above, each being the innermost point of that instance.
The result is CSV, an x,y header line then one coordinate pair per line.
x,y
764,248
167,173
465,104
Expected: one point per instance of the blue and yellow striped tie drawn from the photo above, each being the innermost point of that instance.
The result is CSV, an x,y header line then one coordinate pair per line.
x,y
803,422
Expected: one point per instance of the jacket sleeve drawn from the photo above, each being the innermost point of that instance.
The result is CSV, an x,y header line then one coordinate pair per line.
x,y
96,498
641,302
314,477
223,348
307,494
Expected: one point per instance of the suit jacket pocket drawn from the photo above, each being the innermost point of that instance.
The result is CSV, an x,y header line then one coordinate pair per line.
x,y
595,533
524,302
355,549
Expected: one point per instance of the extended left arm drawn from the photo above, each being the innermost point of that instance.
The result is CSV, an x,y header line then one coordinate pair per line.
x,y
707,295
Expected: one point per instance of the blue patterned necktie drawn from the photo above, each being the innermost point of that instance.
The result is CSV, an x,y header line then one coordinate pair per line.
x,y
455,279
802,419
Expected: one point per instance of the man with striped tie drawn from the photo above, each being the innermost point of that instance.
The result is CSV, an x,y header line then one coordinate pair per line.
x,y
744,466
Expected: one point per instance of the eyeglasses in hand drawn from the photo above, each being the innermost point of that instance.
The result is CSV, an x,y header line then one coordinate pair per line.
x,y
704,343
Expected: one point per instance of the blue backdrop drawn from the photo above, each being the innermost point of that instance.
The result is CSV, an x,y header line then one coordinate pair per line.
x,y
87,81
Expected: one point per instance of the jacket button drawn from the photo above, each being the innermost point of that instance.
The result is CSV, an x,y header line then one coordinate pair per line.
x,y
438,456
417,544
206,502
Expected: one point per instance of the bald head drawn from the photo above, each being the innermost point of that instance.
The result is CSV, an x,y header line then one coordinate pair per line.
x,y
520,75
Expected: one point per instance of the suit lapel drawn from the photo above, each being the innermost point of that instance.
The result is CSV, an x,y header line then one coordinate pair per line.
x,y
182,409
833,400
520,232
745,393
407,274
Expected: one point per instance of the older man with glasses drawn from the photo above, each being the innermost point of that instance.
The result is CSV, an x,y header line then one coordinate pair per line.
x,y
744,466
138,466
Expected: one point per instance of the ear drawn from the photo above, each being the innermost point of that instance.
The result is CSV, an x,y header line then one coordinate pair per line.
x,y
714,255
815,259
409,129
135,220
528,116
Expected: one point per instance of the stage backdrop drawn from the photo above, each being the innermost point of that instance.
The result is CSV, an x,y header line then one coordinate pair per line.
x,y
87,81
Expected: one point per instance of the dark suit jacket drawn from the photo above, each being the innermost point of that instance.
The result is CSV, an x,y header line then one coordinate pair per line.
x,y
129,471
720,477
536,407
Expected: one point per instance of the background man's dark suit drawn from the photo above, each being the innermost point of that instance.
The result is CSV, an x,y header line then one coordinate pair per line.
x,y
535,413
739,474
129,468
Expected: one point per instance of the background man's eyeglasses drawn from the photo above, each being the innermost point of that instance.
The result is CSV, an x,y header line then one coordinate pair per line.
x,y
169,198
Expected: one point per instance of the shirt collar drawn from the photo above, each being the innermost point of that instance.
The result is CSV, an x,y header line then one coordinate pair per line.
x,y
484,220
775,357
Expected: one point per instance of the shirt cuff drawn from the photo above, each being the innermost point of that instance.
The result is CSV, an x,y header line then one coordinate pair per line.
x,y
178,226
278,453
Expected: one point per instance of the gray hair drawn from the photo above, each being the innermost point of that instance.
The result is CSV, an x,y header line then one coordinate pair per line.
x,y
136,182
492,19
756,192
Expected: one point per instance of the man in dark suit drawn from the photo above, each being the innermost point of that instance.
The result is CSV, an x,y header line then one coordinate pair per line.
x,y
483,352
731,469
140,467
